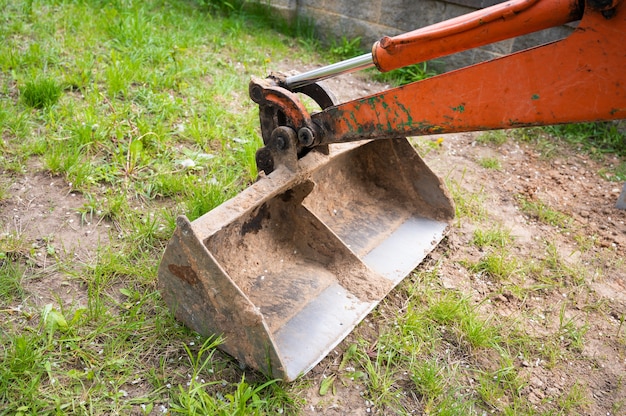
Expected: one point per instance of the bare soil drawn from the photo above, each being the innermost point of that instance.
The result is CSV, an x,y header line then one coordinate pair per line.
x,y
45,212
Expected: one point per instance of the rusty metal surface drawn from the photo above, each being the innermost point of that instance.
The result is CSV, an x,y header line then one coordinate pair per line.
x,y
202,296
287,268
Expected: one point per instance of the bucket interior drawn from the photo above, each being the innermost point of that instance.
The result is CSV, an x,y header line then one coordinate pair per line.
x,y
384,204
281,257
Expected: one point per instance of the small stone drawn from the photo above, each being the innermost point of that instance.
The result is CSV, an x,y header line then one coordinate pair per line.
x,y
187,163
535,381
533,399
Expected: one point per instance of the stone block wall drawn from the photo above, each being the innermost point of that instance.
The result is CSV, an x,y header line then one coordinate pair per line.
x,y
370,20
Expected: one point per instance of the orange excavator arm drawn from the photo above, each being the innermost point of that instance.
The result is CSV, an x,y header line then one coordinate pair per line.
x,y
580,78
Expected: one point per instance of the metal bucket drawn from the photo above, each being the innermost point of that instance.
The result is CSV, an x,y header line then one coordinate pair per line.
x,y
286,269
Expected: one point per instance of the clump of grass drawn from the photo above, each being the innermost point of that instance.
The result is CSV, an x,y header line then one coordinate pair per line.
x,y
494,137
21,373
573,400
11,275
542,141
346,48
468,204
434,320
571,334
498,264
598,137
459,315
41,92
554,272
196,397
494,237
4,189
430,378
498,386
543,212
615,173
13,245
490,163
407,74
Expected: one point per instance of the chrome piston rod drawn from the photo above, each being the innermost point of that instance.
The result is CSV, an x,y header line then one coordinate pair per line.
x,y
344,67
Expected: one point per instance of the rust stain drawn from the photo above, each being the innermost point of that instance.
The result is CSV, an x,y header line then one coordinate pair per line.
x,y
255,223
185,273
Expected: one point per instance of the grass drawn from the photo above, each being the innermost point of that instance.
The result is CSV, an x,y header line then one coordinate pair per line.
x,y
497,264
490,163
541,211
113,98
494,137
141,110
601,137
438,342
406,75
468,204
41,93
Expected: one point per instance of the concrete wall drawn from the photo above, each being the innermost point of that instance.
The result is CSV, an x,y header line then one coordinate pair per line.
x,y
370,20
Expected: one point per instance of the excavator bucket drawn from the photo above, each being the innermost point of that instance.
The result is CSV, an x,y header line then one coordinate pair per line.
x,y
286,269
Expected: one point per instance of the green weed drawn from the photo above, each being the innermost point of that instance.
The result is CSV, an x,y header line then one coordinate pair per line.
x,y
543,143
494,137
467,204
380,376
614,173
346,48
4,190
430,378
576,399
11,276
406,75
497,264
41,93
497,237
600,137
544,213
490,163
196,400
13,246
496,386
570,334
21,374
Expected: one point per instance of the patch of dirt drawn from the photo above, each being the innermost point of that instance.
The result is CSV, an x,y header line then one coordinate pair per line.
x,y
42,216
570,184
